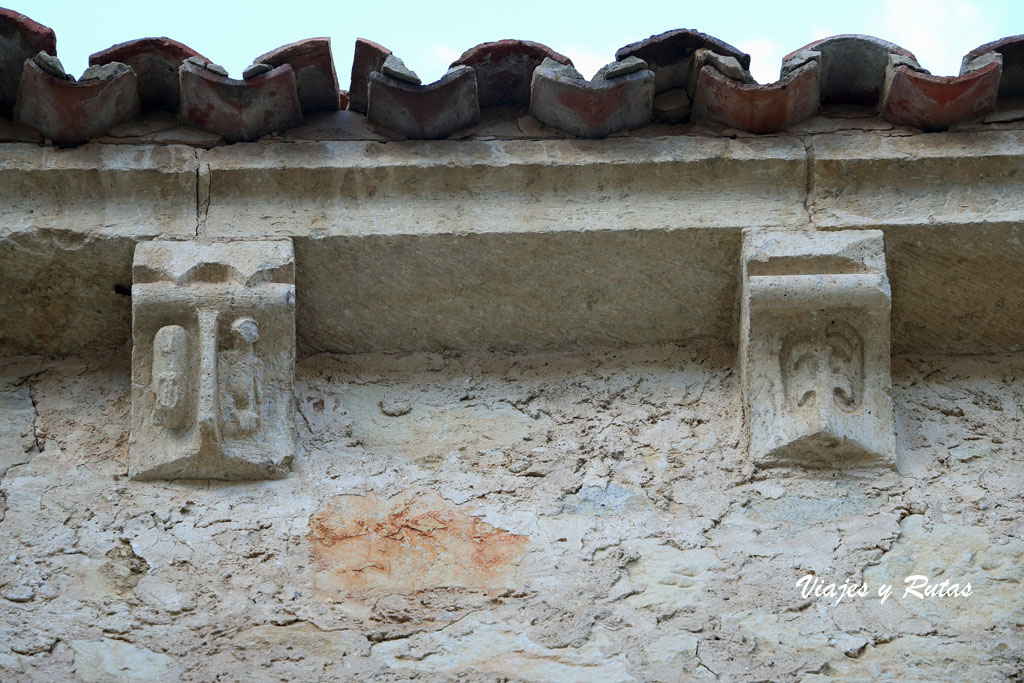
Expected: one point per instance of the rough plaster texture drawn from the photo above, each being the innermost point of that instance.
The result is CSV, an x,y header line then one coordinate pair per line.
x,y
583,516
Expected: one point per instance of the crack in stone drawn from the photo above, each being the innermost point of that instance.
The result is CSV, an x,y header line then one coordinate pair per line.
x,y
809,181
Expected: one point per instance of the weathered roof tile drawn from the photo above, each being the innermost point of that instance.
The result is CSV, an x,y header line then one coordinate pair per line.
x,y
931,103
313,64
20,39
155,62
504,69
671,77
70,112
239,110
562,98
428,111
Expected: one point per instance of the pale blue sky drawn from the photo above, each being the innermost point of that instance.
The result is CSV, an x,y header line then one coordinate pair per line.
x,y
428,36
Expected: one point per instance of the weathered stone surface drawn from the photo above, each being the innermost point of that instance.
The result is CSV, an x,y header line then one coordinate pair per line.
x,y
670,578
672,106
853,67
757,108
630,569
203,63
254,70
946,241
725,65
315,78
504,69
669,54
239,110
368,58
70,219
814,347
52,66
1011,81
20,38
70,113
960,554
396,68
155,62
484,644
431,111
913,98
624,67
378,230
17,428
561,98
213,360
364,544
97,661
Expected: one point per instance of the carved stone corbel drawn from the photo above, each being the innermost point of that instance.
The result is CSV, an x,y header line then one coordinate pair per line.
x,y
814,348
213,360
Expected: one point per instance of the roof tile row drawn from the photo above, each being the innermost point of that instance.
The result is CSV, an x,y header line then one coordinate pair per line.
x,y
673,77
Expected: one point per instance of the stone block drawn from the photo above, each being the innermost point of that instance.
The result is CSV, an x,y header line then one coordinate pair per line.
x,y
1011,82
428,111
757,108
20,39
916,98
852,67
213,360
560,97
814,349
238,110
669,54
504,69
70,112
315,78
368,58
155,62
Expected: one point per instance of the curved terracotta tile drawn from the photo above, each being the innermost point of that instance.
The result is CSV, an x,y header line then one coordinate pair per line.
x,y
21,38
1011,84
757,108
935,103
367,58
428,112
315,78
563,99
668,55
155,62
852,67
239,110
70,112
504,69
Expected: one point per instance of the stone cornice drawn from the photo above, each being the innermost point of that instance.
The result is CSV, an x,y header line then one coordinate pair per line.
x,y
523,244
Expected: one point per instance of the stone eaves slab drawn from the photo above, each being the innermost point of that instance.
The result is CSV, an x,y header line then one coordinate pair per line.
x,y
450,187
528,244
522,245
69,221
951,208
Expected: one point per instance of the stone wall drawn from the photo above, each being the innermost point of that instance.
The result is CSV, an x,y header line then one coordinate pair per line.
x,y
548,516
521,429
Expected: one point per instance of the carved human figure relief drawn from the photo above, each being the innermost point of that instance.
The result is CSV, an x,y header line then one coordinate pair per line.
x,y
241,379
815,349
213,360
170,376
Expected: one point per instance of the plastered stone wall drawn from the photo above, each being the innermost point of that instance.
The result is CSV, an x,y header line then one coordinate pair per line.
x,y
549,516
530,458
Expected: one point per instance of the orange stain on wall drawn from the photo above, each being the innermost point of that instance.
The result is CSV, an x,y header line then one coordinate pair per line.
x,y
365,544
